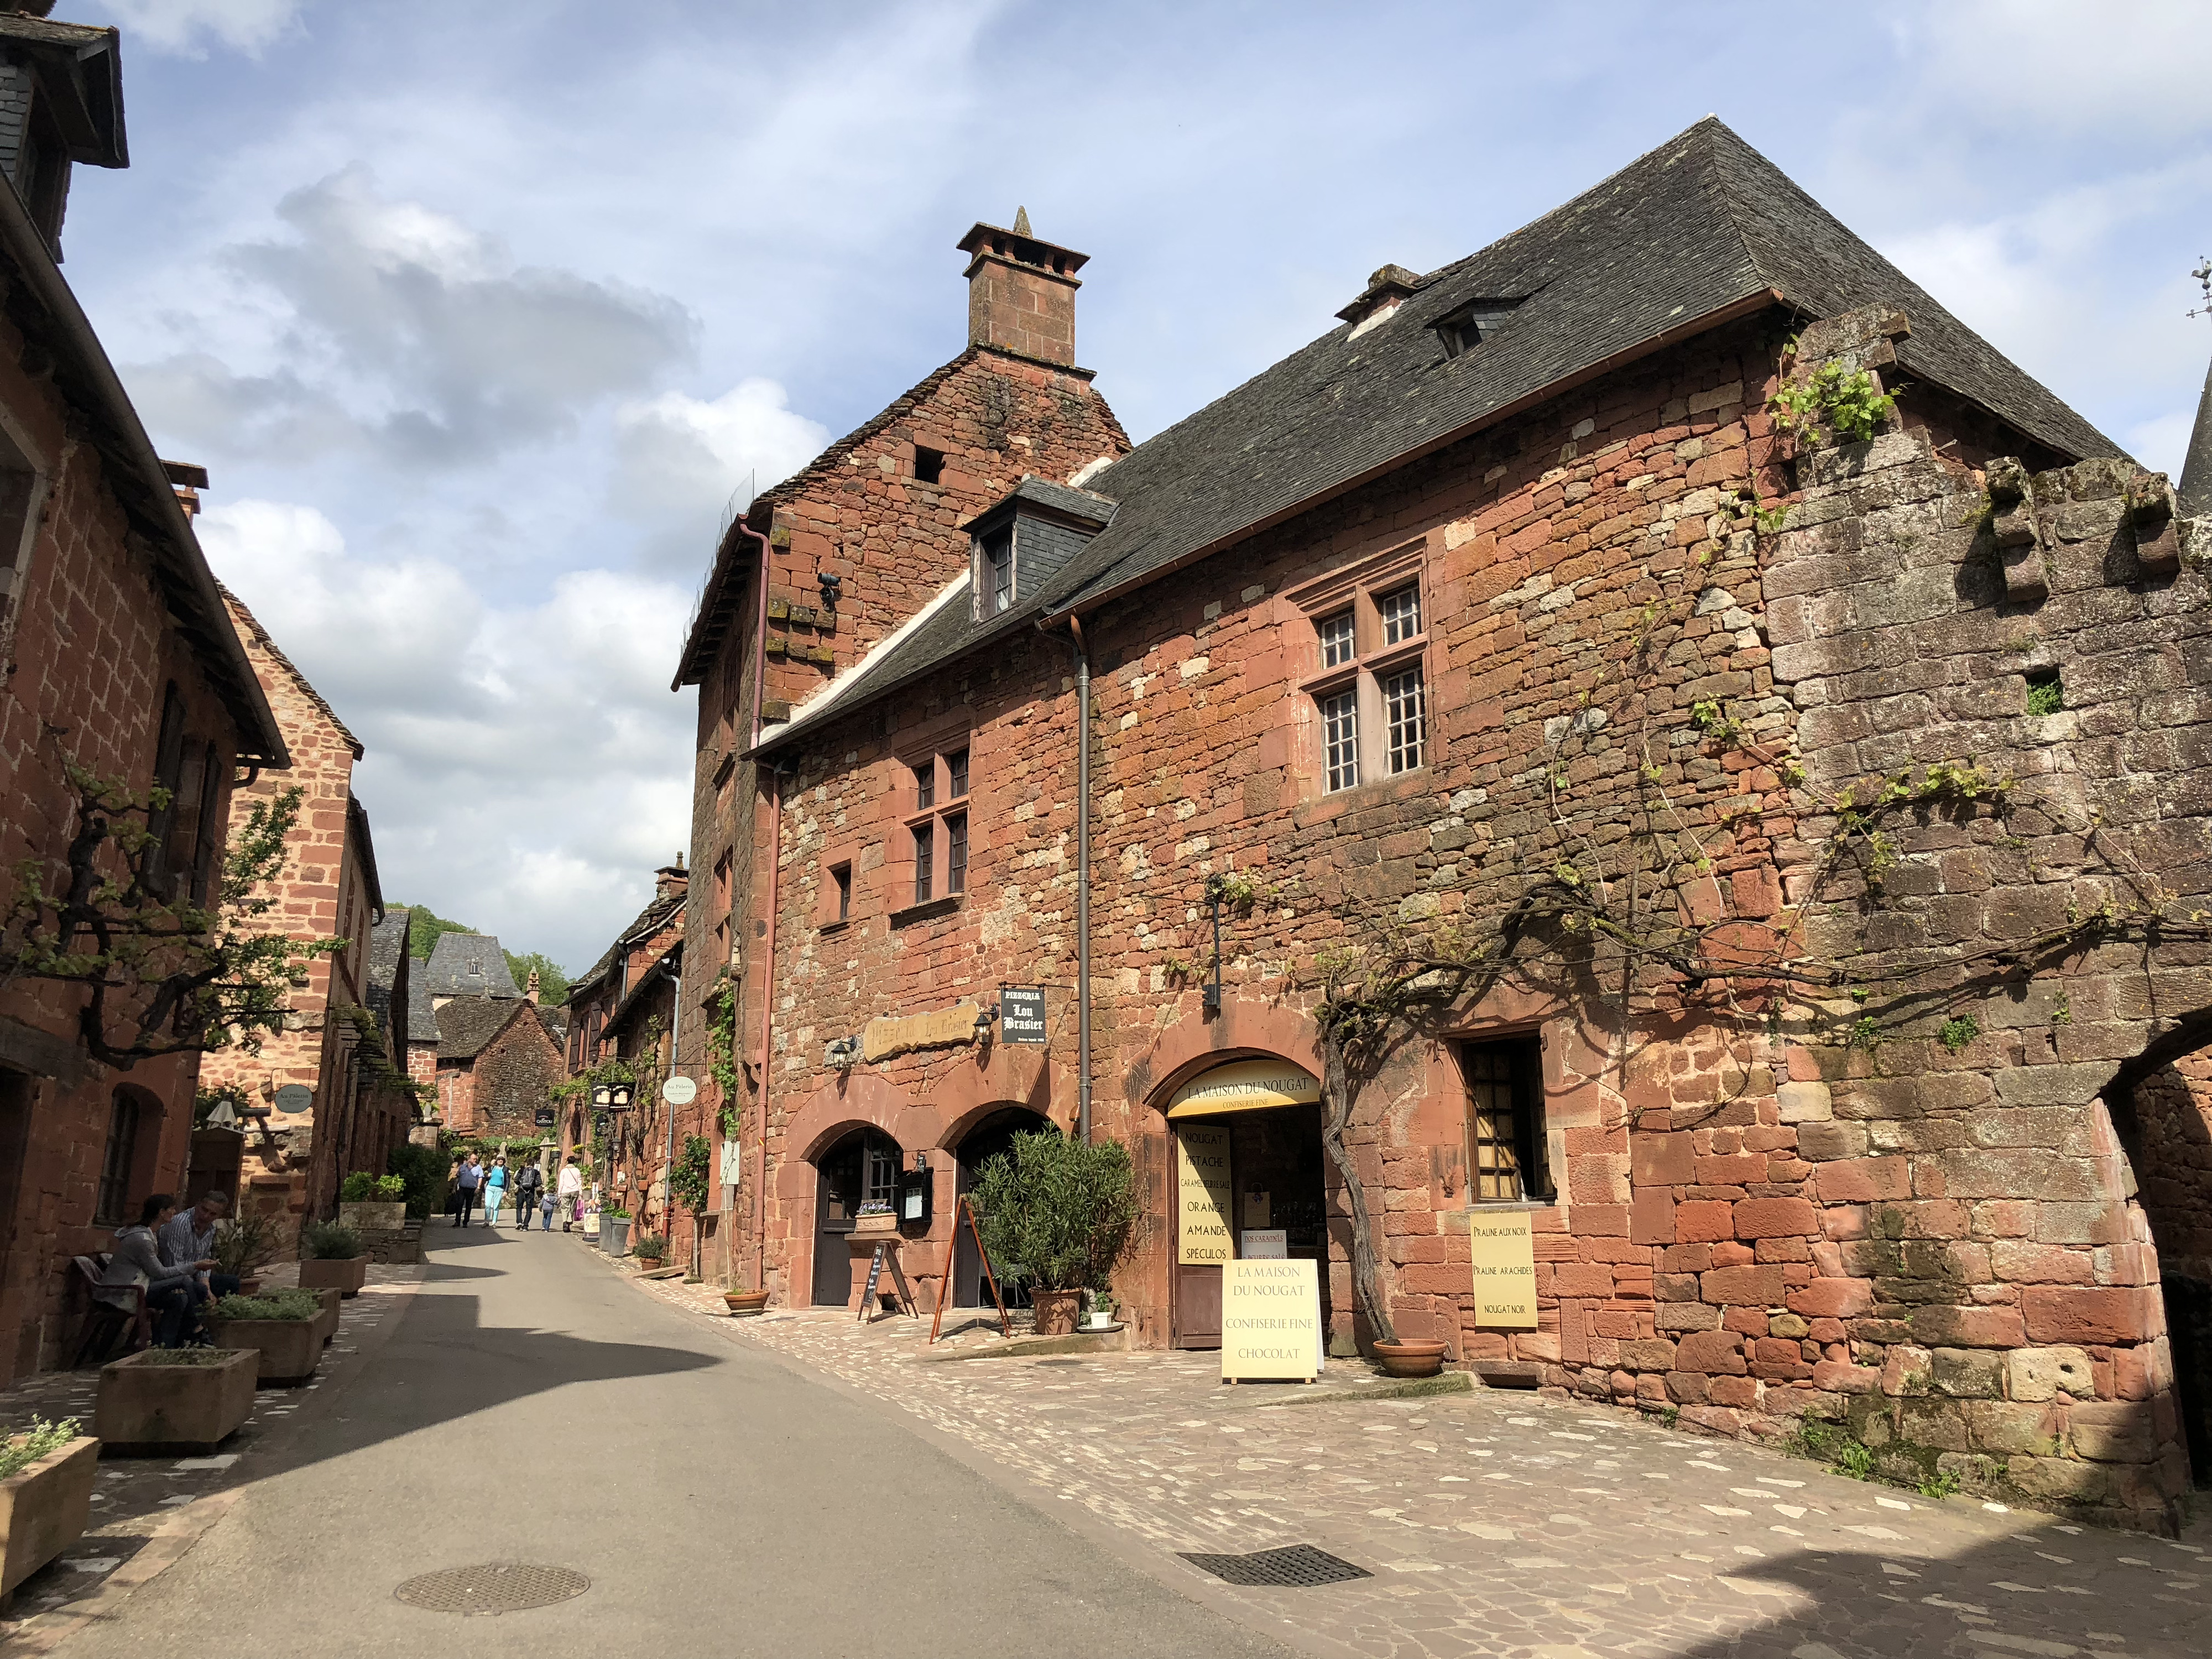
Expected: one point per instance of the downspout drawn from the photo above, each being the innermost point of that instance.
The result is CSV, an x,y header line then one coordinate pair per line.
x,y
768,1014
1082,878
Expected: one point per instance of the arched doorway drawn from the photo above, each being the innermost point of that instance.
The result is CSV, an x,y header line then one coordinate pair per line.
x,y
862,1168
990,1137
1250,1177
2164,1124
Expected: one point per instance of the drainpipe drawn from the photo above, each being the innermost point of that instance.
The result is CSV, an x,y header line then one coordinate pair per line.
x,y
767,1016
1082,878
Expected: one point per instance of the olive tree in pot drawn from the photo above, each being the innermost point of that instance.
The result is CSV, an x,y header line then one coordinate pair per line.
x,y
331,1256
1065,1210
244,1245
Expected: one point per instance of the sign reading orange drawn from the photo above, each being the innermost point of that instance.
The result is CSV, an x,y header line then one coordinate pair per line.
x,y
1202,1194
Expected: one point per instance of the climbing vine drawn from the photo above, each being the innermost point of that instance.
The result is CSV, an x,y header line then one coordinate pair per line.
x,y
721,1057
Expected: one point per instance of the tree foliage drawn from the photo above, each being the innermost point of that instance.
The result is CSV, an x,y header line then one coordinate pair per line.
x,y
1062,1208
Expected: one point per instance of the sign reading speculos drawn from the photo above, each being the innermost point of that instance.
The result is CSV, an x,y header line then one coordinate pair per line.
x,y
1201,1194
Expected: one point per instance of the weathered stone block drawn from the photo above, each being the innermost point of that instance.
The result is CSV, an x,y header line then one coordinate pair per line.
x,y
1805,1103
1775,1218
2000,1426
1969,1373
1713,1352
2090,1316
1967,1327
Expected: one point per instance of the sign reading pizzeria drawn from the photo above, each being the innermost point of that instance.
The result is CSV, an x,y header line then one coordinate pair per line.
x,y
1504,1269
1021,1014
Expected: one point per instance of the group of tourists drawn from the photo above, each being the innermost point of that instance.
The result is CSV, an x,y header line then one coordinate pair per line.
x,y
169,1254
495,1186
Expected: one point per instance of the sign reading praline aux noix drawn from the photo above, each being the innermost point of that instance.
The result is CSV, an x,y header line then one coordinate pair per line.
x,y
1201,1194
1270,1319
1021,1014
1504,1269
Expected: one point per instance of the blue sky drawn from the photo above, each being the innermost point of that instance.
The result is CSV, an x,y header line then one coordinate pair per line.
x,y
478,315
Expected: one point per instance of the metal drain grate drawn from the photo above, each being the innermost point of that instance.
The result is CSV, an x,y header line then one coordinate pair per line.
x,y
494,1587
1294,1564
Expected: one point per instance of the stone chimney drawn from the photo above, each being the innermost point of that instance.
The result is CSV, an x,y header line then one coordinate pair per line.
x,y
187,479
669,878
1021,292
530,993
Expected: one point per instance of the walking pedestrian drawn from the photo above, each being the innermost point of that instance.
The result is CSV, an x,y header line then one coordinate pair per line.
x,y
571,1191
466,1179
527,1185
545,1211
494,1189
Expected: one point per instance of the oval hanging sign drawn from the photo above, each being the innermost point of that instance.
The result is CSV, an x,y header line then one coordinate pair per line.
x,y
294,1098
679,1092
1245,1086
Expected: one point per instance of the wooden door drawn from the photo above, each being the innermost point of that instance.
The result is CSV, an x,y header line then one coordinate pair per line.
x,y
1202,1238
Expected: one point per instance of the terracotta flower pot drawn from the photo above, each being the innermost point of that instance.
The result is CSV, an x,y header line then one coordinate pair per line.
x,y
743,1305
1411,1359
1056,1311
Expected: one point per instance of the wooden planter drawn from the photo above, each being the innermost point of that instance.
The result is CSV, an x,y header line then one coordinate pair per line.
x,y
346,1274
875,1226
369,1216
290,1348
43,1509
156,1409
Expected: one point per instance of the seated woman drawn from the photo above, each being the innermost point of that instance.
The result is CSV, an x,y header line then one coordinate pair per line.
x,y
137,1261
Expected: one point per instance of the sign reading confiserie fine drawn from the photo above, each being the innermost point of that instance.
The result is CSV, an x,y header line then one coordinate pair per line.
x,y
1504,1269
1270,1319
1202,1194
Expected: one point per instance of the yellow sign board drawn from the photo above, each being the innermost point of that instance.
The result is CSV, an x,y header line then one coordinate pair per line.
x,y
1245,1086
1270,1319
1504,1269
1202,1194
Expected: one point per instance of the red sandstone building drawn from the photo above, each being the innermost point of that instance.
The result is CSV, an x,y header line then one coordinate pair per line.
x,y
1696,782
490,1052
116,654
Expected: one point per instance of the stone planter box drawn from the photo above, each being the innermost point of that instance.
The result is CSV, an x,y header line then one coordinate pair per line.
x,y
346,1274
44,1510
156,1409
367,1217
290,1348
327,1321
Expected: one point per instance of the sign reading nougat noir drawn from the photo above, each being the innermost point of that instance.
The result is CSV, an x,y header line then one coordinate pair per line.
x,y
1270,1320
1504,1269
1201,1194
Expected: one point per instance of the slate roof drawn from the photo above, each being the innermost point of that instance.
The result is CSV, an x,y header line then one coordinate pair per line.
x,y
466,1024
469,965
1701,229
647,922
421,1018
389,981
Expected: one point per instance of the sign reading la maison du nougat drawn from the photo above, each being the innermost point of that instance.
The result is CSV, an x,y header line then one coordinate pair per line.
x,y
1504,1269
1202,1194
1270,1319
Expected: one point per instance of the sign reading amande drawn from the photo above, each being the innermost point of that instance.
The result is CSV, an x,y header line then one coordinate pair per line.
x,y
1201,1194
1270,1319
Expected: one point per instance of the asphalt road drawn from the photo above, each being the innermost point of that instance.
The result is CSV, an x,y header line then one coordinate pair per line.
x,y
532,1408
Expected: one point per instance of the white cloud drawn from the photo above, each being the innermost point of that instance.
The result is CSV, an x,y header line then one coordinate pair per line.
x,y
183,27
678,457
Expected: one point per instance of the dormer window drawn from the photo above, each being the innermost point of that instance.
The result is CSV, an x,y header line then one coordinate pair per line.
x,y
1463,330
998,570
1028,538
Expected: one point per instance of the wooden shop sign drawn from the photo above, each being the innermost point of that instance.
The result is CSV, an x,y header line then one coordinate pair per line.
x,y
1504,1269
1021,1014
1270,1320
1201,1194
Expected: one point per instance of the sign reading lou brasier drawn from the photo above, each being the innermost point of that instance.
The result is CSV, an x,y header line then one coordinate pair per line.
x,y
1270,1319
1021,1014
1504,1269
1202,1194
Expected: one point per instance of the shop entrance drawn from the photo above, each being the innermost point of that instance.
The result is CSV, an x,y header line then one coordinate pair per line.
x,y
993,1135
863,1166
1249,1167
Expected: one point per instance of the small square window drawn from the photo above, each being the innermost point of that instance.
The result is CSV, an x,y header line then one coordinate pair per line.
x,y
1336,639
1402,707
928,464
925,838
1340,723
1399,614
955,774
842,874
924,786
955,853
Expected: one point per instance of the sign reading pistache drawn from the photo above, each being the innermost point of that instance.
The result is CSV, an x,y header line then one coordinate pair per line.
x,y
1270,1319
1504,1269
1202,1194
1021,1014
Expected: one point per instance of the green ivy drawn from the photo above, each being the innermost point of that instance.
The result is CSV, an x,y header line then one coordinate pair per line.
x,y
687,1181
1844,401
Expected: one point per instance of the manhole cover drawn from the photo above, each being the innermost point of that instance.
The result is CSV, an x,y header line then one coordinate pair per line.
x,y
1295,1564
494,1587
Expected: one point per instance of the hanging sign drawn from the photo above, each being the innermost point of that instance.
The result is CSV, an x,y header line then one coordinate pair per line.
x,y
1246,1085
1270,1320
1504,1269
733,1163
1264,1244
545,1117
1201,1194
679,1092
294,1098
1021,1015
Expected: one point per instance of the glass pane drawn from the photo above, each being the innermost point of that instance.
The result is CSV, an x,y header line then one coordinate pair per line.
x,y
1402,706
999,553
1340,729
1401,613
1336,639
923,851
956,854
1492,1124
955,774
924,786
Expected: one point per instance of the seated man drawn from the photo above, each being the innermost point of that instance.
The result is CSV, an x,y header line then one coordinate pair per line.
x,y
137,1261
191,1237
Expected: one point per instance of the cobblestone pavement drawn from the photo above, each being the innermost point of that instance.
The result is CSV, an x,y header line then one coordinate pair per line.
x,y
146,1511
1505,1523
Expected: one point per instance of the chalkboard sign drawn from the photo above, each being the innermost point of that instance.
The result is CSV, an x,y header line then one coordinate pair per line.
x,y
1021,1015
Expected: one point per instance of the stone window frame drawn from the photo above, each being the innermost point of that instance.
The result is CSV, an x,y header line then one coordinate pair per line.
x,y
1535,1181
1358,590
830,916
930,814
25,479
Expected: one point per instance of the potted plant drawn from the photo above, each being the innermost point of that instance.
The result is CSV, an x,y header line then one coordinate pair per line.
x,y
45,1497
1100,1316
370,1203
875,1217
744,1303
331,1253
165,1400
614,1230
286,1326
1066,1209
243,1246
650,1248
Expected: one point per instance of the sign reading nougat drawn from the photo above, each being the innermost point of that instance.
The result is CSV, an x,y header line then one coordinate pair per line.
x,y
1504,1269
1270,1319
1202,1194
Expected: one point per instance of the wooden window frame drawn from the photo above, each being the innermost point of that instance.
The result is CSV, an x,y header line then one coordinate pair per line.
x,y
938,824
1526,1150
110,1204
1375,663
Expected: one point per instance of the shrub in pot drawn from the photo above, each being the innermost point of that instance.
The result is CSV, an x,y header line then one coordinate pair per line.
x,y
331,1253
244,1245
45,1497
649,1248
614,1230
370,1202
165,1400
286,1326
1064,1208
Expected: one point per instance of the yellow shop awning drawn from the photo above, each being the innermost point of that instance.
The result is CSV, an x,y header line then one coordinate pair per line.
x,y
1245,1086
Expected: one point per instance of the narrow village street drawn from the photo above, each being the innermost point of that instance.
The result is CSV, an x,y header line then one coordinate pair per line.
x,y
900,1500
